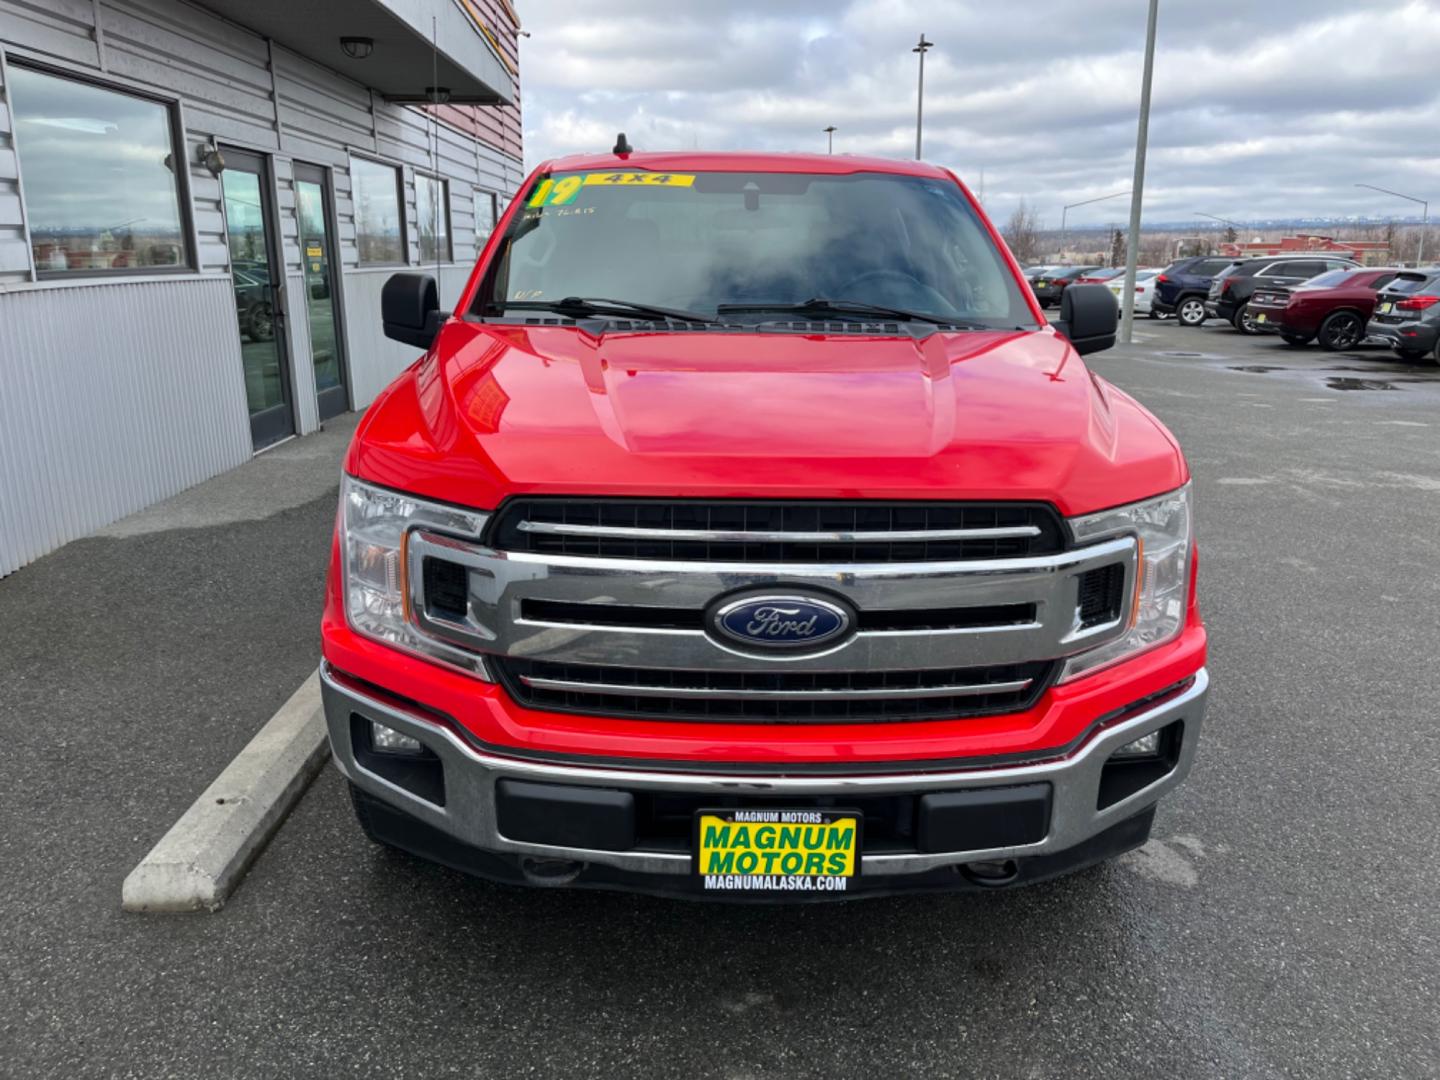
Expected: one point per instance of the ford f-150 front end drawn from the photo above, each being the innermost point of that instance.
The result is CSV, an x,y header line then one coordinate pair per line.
x,y
747,532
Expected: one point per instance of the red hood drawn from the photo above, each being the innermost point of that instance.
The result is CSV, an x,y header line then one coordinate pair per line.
x,y
498,410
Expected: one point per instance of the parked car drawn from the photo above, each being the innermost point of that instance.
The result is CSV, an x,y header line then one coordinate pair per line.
x,y
1101,276
1144,291
1051,287
1180,288
1333,307
593,644
1230,293
1407,314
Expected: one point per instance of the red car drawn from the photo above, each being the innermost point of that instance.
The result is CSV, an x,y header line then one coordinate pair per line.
x,y
747,532
1333,307
1101,277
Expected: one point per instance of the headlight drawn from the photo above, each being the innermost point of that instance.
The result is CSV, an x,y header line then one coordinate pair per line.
x,y
374,525
1165,530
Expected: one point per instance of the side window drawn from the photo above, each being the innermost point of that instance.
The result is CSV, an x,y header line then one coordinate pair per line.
x,y
379,226
432,218
101,191
1298,268
487,215
1210,267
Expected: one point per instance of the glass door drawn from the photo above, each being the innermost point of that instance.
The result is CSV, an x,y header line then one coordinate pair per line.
x,y
322,281
259,297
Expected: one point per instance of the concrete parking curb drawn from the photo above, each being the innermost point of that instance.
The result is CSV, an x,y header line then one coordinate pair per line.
x,y
198,863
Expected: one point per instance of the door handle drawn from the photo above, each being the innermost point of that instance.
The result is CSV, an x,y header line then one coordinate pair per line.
x,y
277,301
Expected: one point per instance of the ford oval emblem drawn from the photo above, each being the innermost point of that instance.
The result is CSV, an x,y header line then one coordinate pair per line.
x,y
780,621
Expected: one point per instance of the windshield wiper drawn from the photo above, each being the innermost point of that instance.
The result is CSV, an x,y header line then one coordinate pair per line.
x,y
581,306
819,305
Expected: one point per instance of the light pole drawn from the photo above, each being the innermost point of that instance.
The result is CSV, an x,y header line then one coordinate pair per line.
x,y
921,48
1424,220
1142,134
1065,212
830,132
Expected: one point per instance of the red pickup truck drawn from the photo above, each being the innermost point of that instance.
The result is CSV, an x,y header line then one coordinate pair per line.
x,y
746,532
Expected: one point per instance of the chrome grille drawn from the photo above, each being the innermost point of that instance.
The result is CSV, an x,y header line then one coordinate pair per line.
x,y
776,531
606,606
771,696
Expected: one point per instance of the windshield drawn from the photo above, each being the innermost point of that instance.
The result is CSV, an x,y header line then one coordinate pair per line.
x,y
694,242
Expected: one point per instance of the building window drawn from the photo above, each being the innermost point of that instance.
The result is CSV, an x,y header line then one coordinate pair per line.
x,y
379,225
487,216
101,192
432,216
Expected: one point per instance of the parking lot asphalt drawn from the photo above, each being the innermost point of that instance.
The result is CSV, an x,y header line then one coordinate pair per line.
x,y
1282,922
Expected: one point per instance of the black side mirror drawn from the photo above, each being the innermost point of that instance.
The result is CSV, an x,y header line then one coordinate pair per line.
x,y
1089,317
410,309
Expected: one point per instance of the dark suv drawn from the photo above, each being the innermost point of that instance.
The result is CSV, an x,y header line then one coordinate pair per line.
x,y
1407,314
1230,293
1181,287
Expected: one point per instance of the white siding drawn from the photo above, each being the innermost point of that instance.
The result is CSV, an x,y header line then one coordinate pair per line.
x,y
374,359
116,396
302,362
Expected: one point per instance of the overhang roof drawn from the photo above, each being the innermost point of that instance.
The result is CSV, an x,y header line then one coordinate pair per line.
x,y
402,64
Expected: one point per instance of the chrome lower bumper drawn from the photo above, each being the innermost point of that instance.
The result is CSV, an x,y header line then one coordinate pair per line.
x,y
469,813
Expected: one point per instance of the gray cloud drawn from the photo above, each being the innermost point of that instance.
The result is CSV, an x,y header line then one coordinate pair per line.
x,y
1260,110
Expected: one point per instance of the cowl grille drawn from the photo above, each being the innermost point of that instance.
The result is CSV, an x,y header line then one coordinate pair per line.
x,y
773,697
776,531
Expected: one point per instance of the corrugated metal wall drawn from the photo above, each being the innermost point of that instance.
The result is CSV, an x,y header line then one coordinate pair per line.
x,y
152,396
114,397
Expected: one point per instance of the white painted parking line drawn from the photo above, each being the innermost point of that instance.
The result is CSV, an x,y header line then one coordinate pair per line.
x,y
198,863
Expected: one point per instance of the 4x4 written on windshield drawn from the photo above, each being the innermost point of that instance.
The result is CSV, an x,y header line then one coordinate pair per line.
x,y
563,191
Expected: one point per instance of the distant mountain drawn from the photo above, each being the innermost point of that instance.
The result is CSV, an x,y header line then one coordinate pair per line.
x,y
1305,224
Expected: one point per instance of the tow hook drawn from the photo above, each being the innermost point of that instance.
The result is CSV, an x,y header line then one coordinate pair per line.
x,y
550,872
991,875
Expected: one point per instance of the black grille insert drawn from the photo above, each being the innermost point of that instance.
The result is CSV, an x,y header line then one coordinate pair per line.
x,y
725,516
447,588
1101,592
808,706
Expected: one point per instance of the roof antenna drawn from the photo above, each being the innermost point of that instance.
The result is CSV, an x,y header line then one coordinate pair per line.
x,y
622,146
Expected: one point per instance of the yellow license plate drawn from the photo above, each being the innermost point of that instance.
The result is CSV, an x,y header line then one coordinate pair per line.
x,y
1384,309
1259,318
1039,284
777,850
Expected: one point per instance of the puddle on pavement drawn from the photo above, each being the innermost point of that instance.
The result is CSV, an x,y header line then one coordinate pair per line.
x,y
1181,354
1337,383
1258,369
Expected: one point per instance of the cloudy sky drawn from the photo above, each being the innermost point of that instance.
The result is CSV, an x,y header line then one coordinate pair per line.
x,y
1272,109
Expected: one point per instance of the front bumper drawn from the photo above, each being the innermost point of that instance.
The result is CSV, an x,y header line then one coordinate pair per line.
x,y
457,822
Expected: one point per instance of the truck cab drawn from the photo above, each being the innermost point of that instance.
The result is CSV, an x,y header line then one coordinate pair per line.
x,y
747,532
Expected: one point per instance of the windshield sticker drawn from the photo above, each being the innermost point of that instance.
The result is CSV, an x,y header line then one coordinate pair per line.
x,y
562,192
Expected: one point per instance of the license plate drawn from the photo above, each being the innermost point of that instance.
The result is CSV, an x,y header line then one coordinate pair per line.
x,y
1039,284
777,850
1385,308
1259,318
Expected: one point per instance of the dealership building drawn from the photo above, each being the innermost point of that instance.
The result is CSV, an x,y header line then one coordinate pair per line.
x,y
199,205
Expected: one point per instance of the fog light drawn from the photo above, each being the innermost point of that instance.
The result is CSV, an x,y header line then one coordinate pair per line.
x,y
1145,746
384,740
